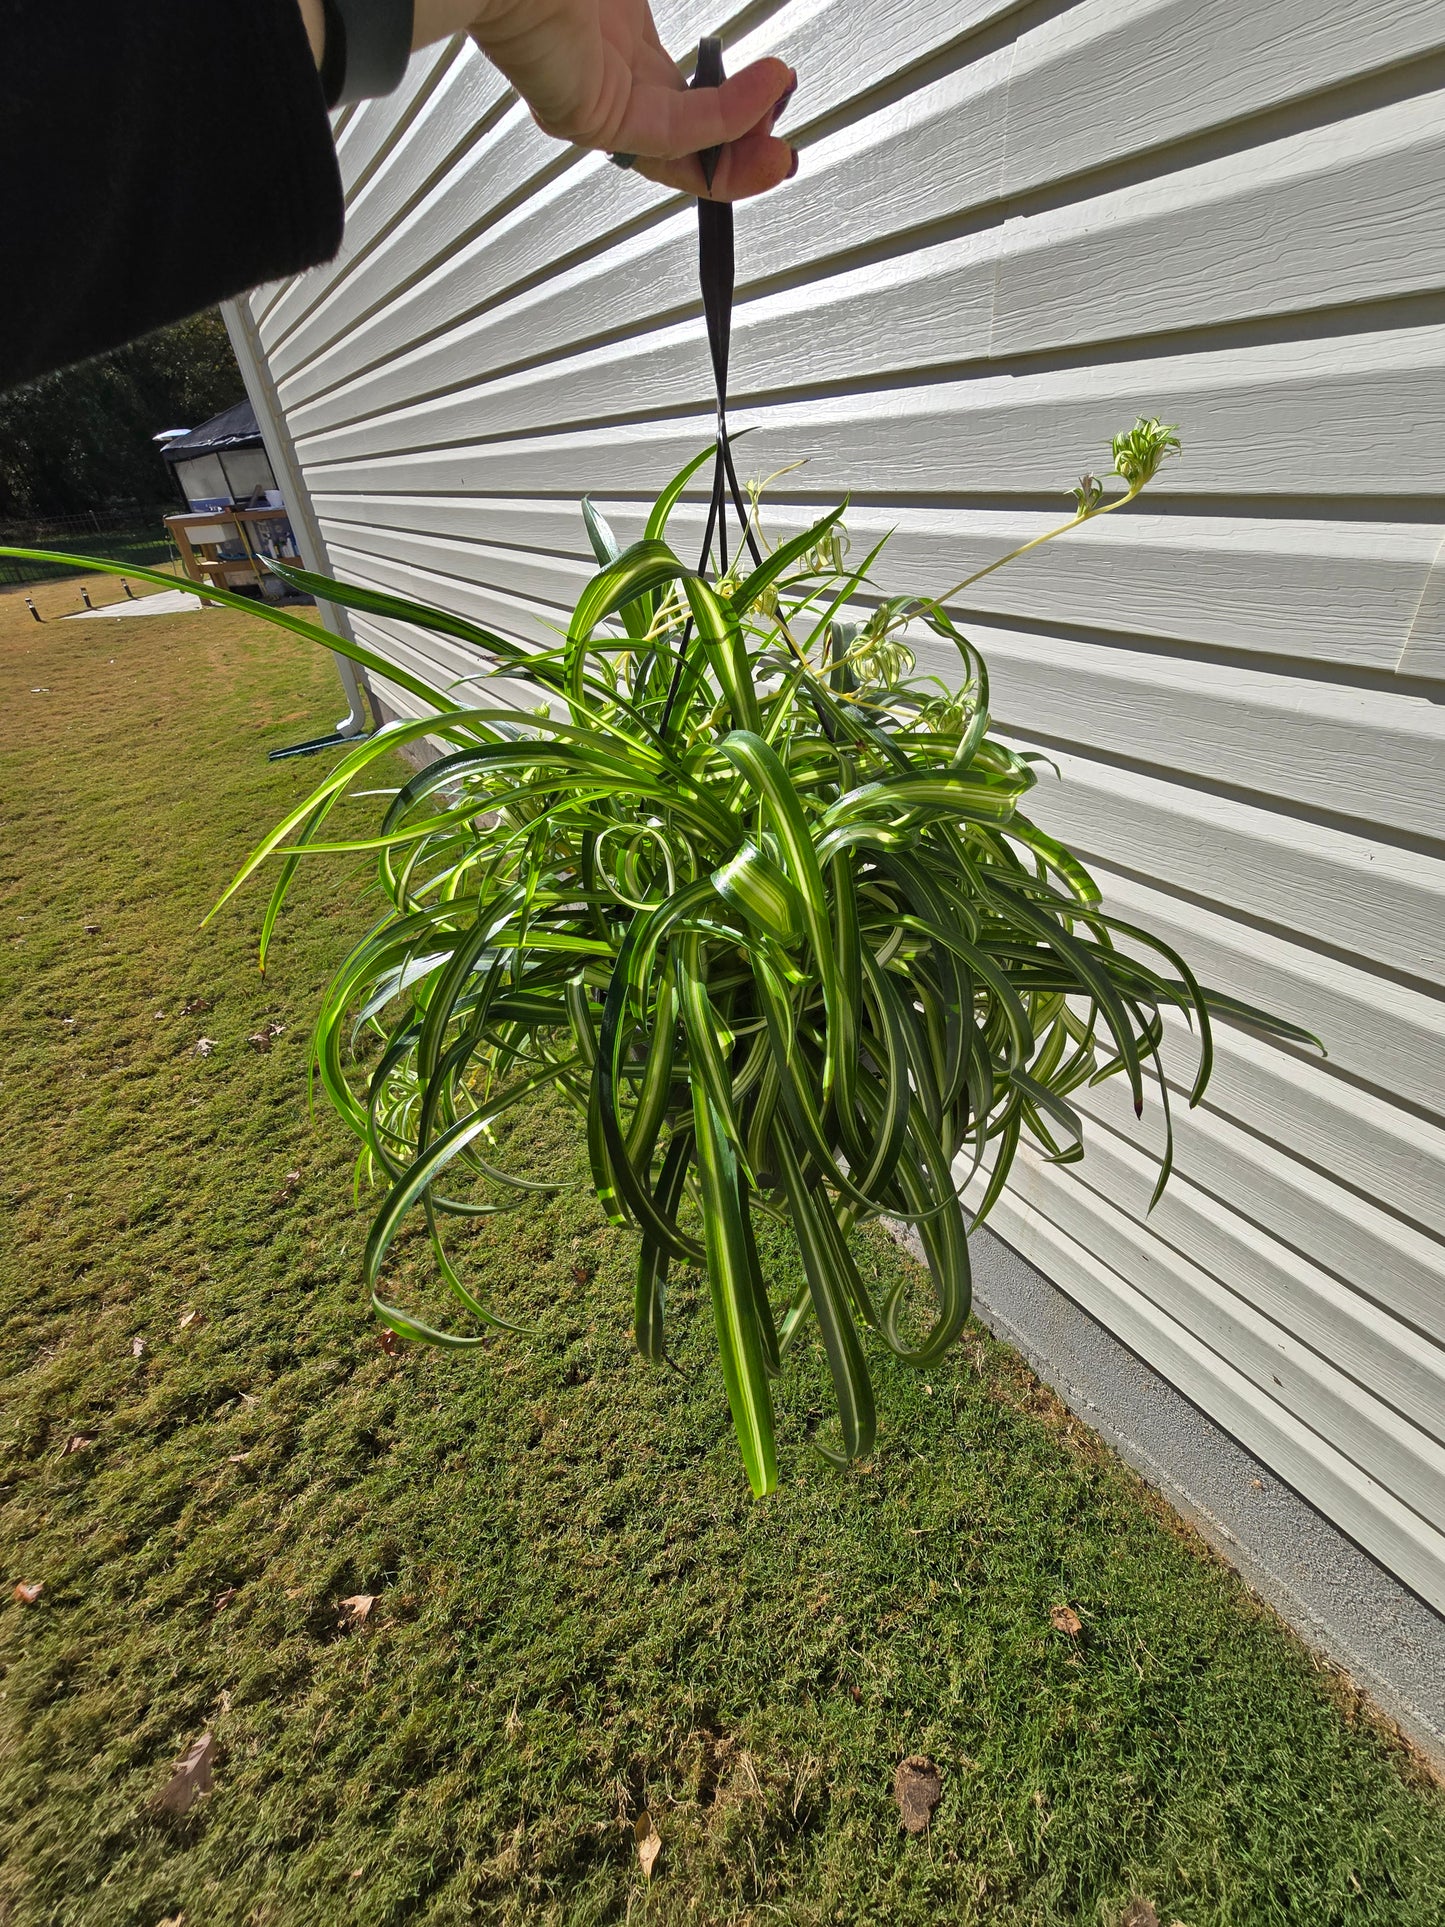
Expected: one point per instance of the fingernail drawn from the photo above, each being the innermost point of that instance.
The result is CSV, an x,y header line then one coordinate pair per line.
x,y
792,165
784,98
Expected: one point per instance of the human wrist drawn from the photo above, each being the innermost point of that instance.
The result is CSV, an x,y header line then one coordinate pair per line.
x,y
313,18
440,19
431,20
365,47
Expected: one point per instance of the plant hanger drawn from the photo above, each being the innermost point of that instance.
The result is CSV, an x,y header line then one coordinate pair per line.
x,y
716,270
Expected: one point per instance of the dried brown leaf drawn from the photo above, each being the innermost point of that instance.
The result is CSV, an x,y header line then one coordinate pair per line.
x,y
27,1592
223,1599
190,1778
582,1274
1064,1619
137,1348
1139,1913
205,1047
194,1317
918,1788
356,1609
389,1343
193,1006
649,1843
77,1442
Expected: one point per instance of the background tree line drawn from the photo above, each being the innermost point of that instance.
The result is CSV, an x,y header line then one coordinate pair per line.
x,y
80,439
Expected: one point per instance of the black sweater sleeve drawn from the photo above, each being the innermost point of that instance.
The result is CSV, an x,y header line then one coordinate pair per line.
x,y
155,157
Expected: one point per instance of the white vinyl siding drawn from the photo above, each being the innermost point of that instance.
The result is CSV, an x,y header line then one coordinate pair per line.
x,y
1015,229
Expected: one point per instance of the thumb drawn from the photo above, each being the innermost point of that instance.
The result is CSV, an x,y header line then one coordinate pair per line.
x,y
666,123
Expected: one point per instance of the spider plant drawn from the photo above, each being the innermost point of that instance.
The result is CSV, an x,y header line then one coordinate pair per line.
x,y
763,904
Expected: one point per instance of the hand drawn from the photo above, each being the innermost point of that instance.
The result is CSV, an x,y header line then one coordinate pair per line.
x,y
596,73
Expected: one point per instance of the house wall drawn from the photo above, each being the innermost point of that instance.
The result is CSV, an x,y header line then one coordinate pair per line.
x,y
1016,227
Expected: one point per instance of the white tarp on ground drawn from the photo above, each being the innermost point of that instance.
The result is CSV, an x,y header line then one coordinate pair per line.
x,y
165,602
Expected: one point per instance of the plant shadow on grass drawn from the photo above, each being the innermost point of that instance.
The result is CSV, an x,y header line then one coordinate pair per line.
x,y
578,1610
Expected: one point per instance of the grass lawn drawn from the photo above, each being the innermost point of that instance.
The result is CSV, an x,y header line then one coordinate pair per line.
x,y
579,1612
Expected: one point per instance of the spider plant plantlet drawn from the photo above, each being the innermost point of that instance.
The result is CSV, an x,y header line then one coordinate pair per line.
x,y
764,906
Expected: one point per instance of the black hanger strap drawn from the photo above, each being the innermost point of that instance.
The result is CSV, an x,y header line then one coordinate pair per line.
x,y
716,269
716,273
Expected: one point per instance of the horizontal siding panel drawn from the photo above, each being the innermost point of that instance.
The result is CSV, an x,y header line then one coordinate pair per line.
x,y
1348,751
500,166
1424,651
361,137
412,327
1384,1262
1345,1332
1354,892
1348,416
459,672
532,578
1334,592
1343,592
1347,213
1307,1111
509,612
856,325
1390,1036
1051,281
1286,1323
1311,1462
1159,68
948,145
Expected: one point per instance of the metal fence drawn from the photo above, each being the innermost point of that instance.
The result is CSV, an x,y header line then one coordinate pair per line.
x,y
132,532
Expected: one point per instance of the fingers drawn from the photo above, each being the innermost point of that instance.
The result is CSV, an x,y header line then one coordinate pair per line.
x,y
664,122
751,161
745,167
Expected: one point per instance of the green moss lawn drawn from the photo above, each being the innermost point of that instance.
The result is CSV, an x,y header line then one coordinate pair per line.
x,y
578,1612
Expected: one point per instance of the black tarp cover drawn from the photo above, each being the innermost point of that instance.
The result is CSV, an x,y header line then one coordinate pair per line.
x,y
234,427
